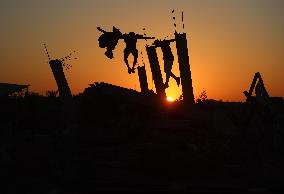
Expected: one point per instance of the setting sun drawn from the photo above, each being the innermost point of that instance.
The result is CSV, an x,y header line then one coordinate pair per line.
x,y
170,99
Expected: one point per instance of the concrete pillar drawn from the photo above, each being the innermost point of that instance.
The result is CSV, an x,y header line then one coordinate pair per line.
x,y
156,72
143,79
184,68
62,84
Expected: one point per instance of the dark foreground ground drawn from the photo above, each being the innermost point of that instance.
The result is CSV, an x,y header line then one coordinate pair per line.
x,y
112,146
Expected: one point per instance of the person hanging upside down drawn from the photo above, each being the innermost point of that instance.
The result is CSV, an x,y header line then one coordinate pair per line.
x,y
168,59
130,40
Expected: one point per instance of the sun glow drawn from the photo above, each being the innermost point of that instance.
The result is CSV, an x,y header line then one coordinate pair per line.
x,y
170,99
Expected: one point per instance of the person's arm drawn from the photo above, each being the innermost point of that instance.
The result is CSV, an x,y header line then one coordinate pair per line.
x,y
148,38
145,37
139,36
171,40
123,36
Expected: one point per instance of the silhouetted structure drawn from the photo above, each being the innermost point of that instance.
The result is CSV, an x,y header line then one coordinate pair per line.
x,y
7,89
184,67
260,90
143,79
62,84
156,72
113,93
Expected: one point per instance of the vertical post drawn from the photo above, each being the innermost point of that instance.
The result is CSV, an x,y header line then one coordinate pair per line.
x,y
143,79
184,67
156,72
62,84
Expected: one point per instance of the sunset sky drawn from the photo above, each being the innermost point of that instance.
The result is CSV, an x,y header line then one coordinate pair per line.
x,y
228,41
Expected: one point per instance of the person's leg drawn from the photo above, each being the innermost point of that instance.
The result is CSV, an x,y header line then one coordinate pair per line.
x,y
176,78
170,65
167,80
135,55
167,70
126,54
173,76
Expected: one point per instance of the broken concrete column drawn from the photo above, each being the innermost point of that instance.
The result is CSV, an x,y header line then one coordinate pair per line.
x,y
143,79
156,71
68,108
184,67
62,84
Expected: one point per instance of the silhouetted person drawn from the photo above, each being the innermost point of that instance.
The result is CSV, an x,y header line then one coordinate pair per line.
x,y
168,59
109,40
130,40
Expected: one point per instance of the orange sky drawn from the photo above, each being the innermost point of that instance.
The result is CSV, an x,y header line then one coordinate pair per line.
x,y
228,42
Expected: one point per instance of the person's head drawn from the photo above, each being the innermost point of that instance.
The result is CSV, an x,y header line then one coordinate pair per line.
x,y
156,42
109,53
131,33
165,43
